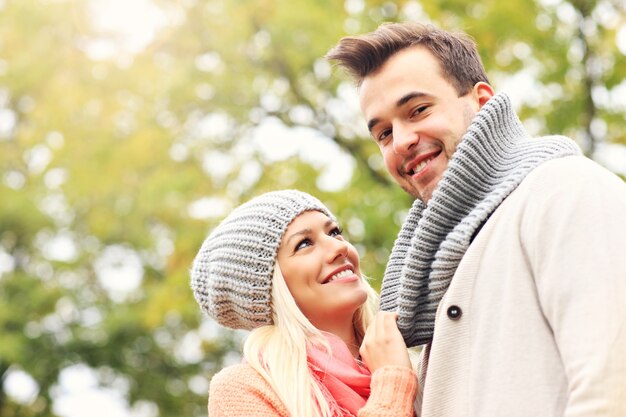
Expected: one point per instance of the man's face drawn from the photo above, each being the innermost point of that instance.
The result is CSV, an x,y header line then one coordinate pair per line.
x,y
417,117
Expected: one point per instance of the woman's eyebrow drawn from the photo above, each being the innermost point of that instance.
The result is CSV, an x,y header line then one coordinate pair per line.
x,y
307,231
302,232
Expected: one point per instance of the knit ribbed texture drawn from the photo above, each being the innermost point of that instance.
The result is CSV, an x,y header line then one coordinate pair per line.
x,y
239,391
494,156
392,388
231,277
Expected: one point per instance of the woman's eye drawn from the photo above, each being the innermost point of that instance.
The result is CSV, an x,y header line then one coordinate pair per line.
x,y
336,231
303,244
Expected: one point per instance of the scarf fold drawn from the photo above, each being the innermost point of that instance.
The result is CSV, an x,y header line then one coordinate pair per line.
x,y
492,159
344,382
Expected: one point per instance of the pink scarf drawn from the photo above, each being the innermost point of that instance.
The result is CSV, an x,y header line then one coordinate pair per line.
x,y
341,377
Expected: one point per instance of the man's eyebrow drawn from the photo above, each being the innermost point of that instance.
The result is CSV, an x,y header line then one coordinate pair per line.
x,y
372,123
401,102
409,96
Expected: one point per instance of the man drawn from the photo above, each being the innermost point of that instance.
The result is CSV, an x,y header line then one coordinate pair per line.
x,y
510,267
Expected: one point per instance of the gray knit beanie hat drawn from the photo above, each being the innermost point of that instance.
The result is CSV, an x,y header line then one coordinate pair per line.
x,y
231,276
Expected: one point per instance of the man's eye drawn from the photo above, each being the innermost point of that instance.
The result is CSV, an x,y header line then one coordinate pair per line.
x,y
383,135
418,110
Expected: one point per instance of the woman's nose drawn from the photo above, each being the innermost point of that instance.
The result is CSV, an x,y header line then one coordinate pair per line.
x,y
337,249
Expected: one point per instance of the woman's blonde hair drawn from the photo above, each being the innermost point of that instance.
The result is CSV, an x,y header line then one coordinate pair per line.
x,y
267,347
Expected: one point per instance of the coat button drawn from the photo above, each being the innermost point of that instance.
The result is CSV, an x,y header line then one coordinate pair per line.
x,y
454,312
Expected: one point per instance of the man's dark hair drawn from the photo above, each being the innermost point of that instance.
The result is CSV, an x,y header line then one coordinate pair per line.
x,y
363,55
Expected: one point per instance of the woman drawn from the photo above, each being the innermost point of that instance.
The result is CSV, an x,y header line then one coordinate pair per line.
x,y
279,266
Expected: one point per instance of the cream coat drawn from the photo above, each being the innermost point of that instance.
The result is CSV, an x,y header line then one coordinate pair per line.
x,y
542,296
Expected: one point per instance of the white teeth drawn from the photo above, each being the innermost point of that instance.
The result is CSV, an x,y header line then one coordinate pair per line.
x,y
341,274
421,165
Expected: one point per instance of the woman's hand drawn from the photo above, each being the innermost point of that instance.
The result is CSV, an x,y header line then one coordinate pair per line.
x,y
383,344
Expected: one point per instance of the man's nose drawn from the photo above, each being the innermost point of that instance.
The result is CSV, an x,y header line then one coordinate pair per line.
x,y
405,137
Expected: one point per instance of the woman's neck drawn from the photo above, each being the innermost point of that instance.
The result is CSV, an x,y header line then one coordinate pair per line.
x,y
346,333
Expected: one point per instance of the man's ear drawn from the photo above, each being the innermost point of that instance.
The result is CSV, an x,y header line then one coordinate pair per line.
x,y
482,92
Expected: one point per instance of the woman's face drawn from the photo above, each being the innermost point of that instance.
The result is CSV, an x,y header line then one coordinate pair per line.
x,y
321,269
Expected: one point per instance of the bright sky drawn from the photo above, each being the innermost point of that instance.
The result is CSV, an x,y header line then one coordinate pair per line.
x,y
126,27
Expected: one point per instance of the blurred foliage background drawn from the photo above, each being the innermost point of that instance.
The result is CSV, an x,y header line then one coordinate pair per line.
x,y
128,128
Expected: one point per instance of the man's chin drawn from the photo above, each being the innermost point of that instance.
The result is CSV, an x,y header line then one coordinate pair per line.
x,y
412,192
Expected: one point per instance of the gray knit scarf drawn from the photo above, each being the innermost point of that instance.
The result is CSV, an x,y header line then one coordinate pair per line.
x,y
494,156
